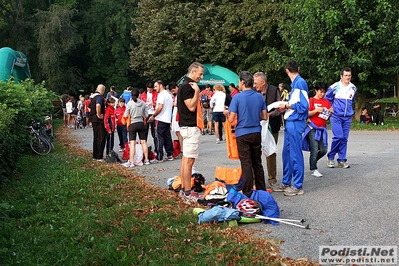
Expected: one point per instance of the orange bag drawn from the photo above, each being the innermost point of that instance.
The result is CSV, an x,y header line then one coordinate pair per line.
x,y
200,121
126,121
231,142
230,176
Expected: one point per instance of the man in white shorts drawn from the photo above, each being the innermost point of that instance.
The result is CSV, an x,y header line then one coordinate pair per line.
x,y
187,99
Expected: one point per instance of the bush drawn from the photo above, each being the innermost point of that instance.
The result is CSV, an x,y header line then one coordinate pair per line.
x,y
19,105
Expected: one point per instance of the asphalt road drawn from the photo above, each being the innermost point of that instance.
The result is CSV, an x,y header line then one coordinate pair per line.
x,y
357,206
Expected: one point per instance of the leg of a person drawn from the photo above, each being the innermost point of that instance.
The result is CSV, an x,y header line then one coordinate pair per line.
x,y
95,140
180,138
217,130
298,164
338,135
112,140
186,172
271,163
191,139
103,135
132,141
256,158
124,135
322,149
154,134
168,143
209,118
120,136
204,112
244,152
286,154
221,125
161,130
107,143
65,115
147,127
314,149
142,136
346,126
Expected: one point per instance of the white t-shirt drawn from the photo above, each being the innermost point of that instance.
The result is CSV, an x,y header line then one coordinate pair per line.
x,y
166,100
150,107
217,101
69,107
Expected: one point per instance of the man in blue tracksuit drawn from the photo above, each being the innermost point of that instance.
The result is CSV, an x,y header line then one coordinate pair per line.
x,y
342,97
296,113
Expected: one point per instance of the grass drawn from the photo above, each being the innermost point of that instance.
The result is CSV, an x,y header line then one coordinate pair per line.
x,y
390,123
65,209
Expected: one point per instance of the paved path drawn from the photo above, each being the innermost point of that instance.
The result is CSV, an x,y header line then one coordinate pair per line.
x,y
355,206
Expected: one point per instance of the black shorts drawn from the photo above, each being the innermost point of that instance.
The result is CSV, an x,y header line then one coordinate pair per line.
x,y
137,128
219,117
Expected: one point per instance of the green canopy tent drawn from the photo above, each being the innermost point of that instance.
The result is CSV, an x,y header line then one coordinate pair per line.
x,y
217,75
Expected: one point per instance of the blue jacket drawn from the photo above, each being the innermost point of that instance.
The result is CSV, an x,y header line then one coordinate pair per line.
x,y
320,131
299,101
341,98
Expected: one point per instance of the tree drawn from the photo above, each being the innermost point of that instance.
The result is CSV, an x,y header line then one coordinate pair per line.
x,y
325,36
57,37
106,27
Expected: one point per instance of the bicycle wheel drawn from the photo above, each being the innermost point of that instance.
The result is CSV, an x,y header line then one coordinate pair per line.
x,y
46,137
40,145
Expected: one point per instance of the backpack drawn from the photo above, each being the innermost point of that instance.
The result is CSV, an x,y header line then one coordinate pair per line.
x,y
205,101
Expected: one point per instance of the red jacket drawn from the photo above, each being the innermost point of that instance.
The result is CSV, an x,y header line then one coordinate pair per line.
x,y
119,114
109,119
143,97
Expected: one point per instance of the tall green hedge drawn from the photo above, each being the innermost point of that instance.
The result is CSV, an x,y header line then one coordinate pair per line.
x,y
19,105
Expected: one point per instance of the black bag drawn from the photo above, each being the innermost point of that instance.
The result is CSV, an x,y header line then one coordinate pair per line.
x,y
112,157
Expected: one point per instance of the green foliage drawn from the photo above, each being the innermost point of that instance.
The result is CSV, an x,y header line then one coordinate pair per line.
x,y
19,105
57,37
106,27
325,36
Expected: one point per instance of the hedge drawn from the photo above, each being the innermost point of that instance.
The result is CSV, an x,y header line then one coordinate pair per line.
x,y
20,103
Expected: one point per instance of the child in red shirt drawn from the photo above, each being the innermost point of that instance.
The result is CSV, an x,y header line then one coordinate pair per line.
x,y
120,127
110,124
315,133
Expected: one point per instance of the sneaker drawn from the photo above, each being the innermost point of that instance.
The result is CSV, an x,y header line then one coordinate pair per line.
x,y
211,133
292,191
156,161
316,173
192,198
382,123
146,162
99,160
203,132
128,164
139,163
330,163
170,158
217,141
279,188
343,164
120,149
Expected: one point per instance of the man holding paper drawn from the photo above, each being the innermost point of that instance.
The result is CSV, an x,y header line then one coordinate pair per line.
x,y
296,113
270,94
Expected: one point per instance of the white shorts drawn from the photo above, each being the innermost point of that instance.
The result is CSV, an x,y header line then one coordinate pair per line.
x,y
191,141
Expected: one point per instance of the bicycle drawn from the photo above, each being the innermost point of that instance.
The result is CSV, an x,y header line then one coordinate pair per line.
x,y
391,111
40,143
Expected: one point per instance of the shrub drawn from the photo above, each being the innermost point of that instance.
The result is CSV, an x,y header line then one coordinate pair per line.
x,y
20,103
